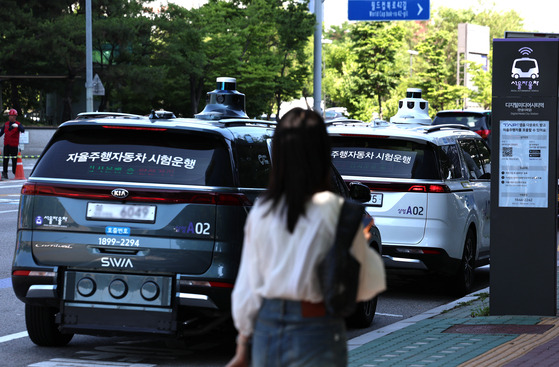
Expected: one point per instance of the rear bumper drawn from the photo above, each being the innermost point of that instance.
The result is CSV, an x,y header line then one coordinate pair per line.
x,y
83,318
181,308
417,258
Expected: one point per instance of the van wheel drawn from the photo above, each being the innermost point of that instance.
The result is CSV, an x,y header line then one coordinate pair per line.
x,y
464,278
42,329
363,315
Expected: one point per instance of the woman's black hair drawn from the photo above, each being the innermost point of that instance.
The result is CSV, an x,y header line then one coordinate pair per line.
x,y
301,162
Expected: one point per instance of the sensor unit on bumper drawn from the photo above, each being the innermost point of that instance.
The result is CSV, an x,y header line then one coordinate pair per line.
x,y
107,289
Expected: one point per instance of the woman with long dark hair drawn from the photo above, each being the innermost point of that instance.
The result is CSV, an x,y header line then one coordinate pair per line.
x,y
277,302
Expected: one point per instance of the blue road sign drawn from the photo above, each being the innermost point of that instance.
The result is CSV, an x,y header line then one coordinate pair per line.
x,y
388,9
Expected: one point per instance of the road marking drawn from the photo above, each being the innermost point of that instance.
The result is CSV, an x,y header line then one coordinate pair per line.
x,y
387,314
5,283
11,337
65,362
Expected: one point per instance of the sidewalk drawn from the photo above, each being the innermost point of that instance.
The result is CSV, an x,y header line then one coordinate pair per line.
x,y
458,334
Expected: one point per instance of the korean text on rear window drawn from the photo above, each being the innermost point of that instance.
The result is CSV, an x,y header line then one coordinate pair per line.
x,y
137,156
383,158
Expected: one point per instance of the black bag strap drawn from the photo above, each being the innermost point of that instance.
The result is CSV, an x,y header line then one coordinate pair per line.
x,y
338,273
351,216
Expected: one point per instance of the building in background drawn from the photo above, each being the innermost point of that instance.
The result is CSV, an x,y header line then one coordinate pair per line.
x,y
473,45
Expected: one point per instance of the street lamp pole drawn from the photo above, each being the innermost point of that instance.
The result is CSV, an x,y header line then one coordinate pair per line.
x,y
88,59
317,79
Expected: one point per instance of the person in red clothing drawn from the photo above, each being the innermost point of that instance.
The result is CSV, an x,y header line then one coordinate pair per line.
x,y
11,130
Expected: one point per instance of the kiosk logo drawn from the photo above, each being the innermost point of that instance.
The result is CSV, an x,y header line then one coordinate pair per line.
x,y
525,68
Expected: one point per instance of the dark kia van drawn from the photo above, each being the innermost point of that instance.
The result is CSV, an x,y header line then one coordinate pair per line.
x,y
134,224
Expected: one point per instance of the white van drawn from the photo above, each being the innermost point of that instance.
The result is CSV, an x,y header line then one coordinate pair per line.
x,y
430,193
525,67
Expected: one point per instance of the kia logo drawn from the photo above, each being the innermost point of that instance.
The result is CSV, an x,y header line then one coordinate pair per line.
x,y
119,193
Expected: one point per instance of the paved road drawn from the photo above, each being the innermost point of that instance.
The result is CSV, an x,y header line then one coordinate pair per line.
x,y
406,297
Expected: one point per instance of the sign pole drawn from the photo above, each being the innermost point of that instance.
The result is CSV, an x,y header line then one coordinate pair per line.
x,y
88,59
317,80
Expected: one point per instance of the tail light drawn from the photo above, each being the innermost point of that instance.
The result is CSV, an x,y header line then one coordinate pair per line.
x,y
34,273
205,283
483,133
418,251
400,187
143,195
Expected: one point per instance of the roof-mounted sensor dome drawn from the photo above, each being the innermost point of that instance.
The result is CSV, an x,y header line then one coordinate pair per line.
x,y
224,102
412,109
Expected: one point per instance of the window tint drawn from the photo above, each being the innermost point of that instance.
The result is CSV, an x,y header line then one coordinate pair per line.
x,y
450,162
473,159
473,121
380,157
253,160
337,184
153,156
484,157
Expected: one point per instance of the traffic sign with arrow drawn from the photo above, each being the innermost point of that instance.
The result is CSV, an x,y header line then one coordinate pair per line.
x,y
388,10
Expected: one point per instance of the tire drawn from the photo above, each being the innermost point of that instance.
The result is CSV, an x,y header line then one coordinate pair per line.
x,y
42,328
464,278
363,315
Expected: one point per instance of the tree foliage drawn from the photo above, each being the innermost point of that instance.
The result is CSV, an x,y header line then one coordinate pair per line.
x,y
154,58
376,45
170,57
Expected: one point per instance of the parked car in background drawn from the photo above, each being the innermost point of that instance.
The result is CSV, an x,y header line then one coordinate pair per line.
x,y
477,121
430,193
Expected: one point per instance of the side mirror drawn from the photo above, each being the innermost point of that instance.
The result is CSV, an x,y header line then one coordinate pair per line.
x,y
359,192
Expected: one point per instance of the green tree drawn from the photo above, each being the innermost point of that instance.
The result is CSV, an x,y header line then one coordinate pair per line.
x,y
254,41
482,81
434,76
439,68
339,78
122,44
24,50
179,51
376,45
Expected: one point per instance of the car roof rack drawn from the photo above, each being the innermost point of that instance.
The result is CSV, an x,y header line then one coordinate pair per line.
x,y
95,115
434,128
241,121
343,120
161,114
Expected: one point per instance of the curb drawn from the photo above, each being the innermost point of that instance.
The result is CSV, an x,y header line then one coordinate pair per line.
x,y
379,333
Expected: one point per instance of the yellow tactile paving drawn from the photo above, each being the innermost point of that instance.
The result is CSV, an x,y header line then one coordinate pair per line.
x,y
516,348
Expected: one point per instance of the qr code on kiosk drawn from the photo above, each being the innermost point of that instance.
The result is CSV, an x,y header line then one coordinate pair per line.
x,y
507,152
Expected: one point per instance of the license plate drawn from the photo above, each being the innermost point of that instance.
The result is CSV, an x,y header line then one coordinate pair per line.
x,y
121,212
376,200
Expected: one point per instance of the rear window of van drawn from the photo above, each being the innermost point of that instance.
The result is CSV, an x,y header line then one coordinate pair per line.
x,y
144,156
379,157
